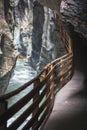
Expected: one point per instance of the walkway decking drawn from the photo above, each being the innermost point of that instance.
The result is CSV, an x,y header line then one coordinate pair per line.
x,y
70,107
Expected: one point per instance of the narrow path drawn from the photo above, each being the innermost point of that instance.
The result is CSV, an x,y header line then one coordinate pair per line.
x,y
70,107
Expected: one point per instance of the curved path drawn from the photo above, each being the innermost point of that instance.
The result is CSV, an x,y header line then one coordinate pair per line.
x,y
70,106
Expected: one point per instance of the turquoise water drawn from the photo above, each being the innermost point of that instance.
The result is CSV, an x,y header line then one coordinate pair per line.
x,y
22,74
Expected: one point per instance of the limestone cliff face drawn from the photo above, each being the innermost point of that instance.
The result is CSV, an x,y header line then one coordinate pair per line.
x,y
7,56
72,11
53,4
51,43
15,31
46,44
23,25
37,32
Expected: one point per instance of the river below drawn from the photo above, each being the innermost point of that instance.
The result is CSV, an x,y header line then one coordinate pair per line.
x,y
22,74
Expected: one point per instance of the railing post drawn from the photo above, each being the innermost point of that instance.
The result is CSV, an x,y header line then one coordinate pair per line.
x,y
36,83
47,85
55,74
50,84
3,108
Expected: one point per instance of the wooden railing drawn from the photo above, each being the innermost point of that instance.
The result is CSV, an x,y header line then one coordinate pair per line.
x,y
65,38
54,76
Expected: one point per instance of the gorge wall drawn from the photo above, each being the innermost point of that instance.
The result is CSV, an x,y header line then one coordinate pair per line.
x,y
28,28
7,51
71,11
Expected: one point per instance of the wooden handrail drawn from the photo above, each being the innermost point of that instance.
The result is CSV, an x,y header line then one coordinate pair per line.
x,y
62,66
64,36
18,90
15,92
58,60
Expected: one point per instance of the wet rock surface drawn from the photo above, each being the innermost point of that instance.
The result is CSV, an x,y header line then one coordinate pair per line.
x,y
72,11
52,47
23,26
7,55
38,22
75,13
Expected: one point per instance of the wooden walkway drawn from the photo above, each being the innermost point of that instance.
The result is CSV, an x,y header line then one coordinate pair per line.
x,y
70,107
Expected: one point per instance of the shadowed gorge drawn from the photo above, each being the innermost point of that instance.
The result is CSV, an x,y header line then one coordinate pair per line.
x,y
43,66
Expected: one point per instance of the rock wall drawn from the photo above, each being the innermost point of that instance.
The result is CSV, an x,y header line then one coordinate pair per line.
x,y
23,26
7,52
35,34
74,12
52,4
38,22
51,44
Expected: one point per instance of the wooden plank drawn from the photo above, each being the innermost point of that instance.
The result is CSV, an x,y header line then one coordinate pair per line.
x,y
3,108
25,114
42,119
63,35
36,96
17,106
47,77
51,71
15,92
59,76
58,59
34,119
31,122
66,64
59,63
45,104
62,83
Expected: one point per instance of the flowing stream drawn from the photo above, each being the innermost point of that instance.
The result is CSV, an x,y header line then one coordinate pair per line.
x,y
22,74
